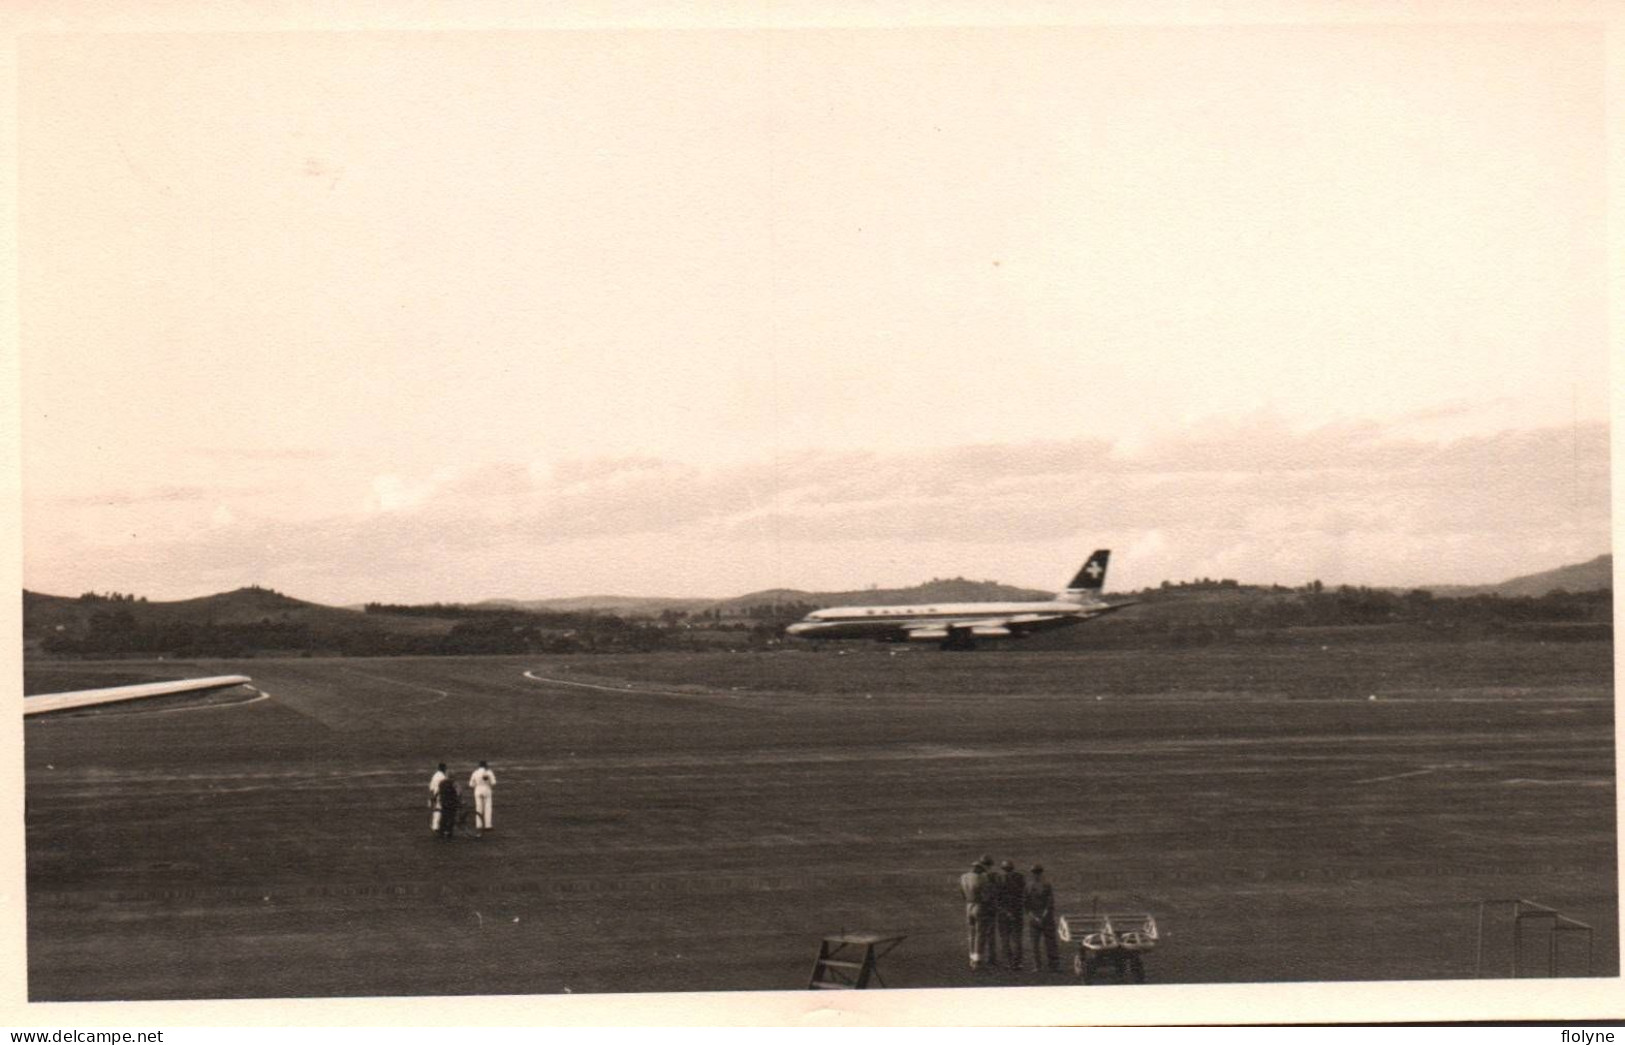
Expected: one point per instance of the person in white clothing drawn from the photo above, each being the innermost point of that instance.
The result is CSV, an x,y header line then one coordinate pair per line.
x,y
482,781
434,797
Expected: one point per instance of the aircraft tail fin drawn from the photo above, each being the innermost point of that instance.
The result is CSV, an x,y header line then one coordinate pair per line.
x,y
1090,578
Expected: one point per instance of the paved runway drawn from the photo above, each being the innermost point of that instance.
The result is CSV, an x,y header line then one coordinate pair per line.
x,y
696,822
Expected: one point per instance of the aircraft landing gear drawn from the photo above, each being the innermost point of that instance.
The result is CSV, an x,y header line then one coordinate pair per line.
x,y
959,639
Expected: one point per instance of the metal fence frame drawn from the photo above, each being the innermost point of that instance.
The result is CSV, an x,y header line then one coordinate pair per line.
x,y
1528,910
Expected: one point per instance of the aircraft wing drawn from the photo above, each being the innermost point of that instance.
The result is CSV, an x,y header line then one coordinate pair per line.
x,y
1005,626
1028,623
91,697
1015,624
1045,621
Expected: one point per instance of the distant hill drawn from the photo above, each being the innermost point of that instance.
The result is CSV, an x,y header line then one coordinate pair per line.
x,y
1581,577
626,605
956,589
1596,575
242,619
242,606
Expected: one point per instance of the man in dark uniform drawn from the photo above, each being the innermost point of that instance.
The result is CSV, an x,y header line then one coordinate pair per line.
x,y
450,806
974,885
1040,908
995,897
1008,905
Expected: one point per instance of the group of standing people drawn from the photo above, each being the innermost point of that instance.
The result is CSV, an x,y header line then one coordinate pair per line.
x,y
446,802
1001,904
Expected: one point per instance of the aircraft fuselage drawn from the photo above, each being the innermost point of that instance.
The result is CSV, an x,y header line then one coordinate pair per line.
x,y
958,624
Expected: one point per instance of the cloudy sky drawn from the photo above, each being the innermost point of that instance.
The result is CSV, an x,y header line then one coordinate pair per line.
x,y
417,316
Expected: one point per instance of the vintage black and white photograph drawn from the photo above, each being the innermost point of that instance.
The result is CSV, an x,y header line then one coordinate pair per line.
x,y
863,503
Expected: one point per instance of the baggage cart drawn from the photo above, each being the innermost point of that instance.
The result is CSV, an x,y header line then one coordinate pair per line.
x,y
1109,939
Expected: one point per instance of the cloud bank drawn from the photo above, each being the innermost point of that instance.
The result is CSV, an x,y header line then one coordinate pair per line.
x,y
1252,498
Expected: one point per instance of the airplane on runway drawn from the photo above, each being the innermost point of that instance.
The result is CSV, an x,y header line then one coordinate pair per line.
x,y
957,625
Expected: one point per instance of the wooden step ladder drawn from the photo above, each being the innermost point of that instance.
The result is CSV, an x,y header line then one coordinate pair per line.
x,y
847,960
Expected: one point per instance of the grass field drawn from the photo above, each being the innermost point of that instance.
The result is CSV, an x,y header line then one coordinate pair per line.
x,y
698,821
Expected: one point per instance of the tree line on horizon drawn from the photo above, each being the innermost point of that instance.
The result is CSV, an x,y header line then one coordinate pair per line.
x,y
120,625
